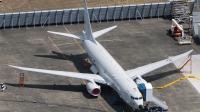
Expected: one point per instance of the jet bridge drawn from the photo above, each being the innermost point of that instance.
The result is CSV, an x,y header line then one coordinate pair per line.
x,y
147,92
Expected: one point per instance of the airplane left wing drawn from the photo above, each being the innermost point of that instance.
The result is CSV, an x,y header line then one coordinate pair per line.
x,y
140,71
88,77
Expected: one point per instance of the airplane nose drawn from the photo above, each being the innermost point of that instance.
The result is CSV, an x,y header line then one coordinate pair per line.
x,y
140,107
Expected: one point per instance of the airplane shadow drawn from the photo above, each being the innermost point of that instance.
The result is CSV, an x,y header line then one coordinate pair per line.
x,y
63,56
105,91
196,40
78,60
159,75
74,88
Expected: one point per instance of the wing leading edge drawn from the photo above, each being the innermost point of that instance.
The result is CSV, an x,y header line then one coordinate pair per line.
x,y
88,77
140,71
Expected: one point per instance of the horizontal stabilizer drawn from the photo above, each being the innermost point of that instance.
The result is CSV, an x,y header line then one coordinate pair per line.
x,y
101,32
67,34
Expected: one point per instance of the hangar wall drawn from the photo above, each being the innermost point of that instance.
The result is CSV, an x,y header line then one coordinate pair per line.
x,y
97,14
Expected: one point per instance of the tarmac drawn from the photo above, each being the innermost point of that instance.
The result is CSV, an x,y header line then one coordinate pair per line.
x,y
133,44
190,68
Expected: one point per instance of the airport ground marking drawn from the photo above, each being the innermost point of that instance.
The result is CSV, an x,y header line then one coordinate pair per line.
x,y
177,80
102,105
76,41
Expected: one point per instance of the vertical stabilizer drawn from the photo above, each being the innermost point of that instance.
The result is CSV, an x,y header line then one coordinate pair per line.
x,y
88,29
87,34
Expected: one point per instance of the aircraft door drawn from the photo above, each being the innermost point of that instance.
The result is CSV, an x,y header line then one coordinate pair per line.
x,y
91,60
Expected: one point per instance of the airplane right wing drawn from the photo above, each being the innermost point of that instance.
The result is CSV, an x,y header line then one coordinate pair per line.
x,y
140,71
88,77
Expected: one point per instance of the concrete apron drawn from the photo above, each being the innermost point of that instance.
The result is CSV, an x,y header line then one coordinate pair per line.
x,y
193,67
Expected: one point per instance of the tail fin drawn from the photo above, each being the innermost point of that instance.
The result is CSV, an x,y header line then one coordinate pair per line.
x,y
87,35
88,29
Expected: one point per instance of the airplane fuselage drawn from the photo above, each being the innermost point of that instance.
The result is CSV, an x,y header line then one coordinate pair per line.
x,y
113,73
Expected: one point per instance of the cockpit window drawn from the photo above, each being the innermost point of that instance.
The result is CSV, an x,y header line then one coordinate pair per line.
x,y
132,97
136,98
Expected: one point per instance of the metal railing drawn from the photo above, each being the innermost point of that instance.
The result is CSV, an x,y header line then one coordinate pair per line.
x,y
97,14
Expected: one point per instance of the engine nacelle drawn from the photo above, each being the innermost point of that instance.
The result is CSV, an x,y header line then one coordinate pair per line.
x,y
93,89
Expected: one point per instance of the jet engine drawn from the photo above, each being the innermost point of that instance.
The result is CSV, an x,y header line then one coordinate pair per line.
x,y
93,89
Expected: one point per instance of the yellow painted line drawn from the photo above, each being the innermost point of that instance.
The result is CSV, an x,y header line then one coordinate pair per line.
x,y
175,81
102,105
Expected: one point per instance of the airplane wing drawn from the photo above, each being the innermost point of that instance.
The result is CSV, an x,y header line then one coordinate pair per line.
x,y
140,71
88,77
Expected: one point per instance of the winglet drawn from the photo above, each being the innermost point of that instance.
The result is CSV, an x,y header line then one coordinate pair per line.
x,y
174,58
20,68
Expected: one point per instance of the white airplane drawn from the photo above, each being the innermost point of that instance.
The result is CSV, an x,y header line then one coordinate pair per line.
x,y
125,83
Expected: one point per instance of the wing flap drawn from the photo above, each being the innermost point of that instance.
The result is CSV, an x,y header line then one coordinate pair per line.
x,y
88,77
140,71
